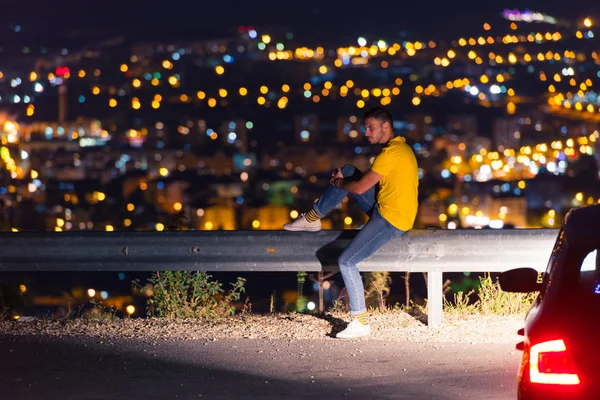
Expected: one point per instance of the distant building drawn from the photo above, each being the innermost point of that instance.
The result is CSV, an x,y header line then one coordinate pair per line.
x,y
463,125
476,144
419,125
306,128
511,210
234,133
506,132
69,130
300,160
429,213
349,130
218,217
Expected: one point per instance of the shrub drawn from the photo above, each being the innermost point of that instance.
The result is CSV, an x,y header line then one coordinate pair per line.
x,y
378,288
182,294
491,299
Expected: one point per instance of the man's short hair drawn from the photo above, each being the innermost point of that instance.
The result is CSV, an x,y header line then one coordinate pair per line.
x,y
379,113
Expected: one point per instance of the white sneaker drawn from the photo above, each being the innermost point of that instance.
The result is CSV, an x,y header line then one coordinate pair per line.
x,y
354,330
301,224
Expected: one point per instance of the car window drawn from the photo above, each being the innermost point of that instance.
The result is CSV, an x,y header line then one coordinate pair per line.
x,y
580,277
589,262
588,273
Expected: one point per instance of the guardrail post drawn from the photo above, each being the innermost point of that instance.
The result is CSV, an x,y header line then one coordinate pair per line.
x,y
434,299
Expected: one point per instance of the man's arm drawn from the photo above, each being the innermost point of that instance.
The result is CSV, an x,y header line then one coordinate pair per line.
x,y
360,186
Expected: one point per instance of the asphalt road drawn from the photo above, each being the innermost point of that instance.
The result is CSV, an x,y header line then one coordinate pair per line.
x,y
37,367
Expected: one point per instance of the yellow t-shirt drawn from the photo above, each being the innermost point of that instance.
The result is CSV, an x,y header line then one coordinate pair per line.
x,y
398,189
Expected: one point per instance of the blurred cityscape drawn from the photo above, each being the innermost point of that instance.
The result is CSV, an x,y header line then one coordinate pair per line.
x,y
242,131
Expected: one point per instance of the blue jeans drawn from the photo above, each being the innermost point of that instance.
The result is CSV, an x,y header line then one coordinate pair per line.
x,y
371,237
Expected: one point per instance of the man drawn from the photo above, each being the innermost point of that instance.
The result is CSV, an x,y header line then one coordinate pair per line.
x,y
387,193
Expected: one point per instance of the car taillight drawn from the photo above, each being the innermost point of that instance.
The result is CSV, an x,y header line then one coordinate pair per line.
x,y
551,363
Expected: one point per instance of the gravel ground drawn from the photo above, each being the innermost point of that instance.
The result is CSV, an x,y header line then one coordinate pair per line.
x,y
391,326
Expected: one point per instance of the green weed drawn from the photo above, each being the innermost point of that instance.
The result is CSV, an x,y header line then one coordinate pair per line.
x,y
491,300
182,294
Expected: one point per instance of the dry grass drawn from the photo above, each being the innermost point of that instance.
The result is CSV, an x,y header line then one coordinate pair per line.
x,y
4,314
491,300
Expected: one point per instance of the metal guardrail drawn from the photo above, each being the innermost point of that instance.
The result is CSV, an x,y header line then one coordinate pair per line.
x,y
432,251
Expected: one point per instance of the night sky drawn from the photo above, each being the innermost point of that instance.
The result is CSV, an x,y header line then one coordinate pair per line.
x,y
309,19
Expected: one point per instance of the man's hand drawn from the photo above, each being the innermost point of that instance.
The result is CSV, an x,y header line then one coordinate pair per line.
x,y
336,174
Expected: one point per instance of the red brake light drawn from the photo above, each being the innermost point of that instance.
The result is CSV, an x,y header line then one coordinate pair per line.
x,y
551,363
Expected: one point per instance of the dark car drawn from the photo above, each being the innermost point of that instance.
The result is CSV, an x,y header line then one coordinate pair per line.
x,y
561,336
